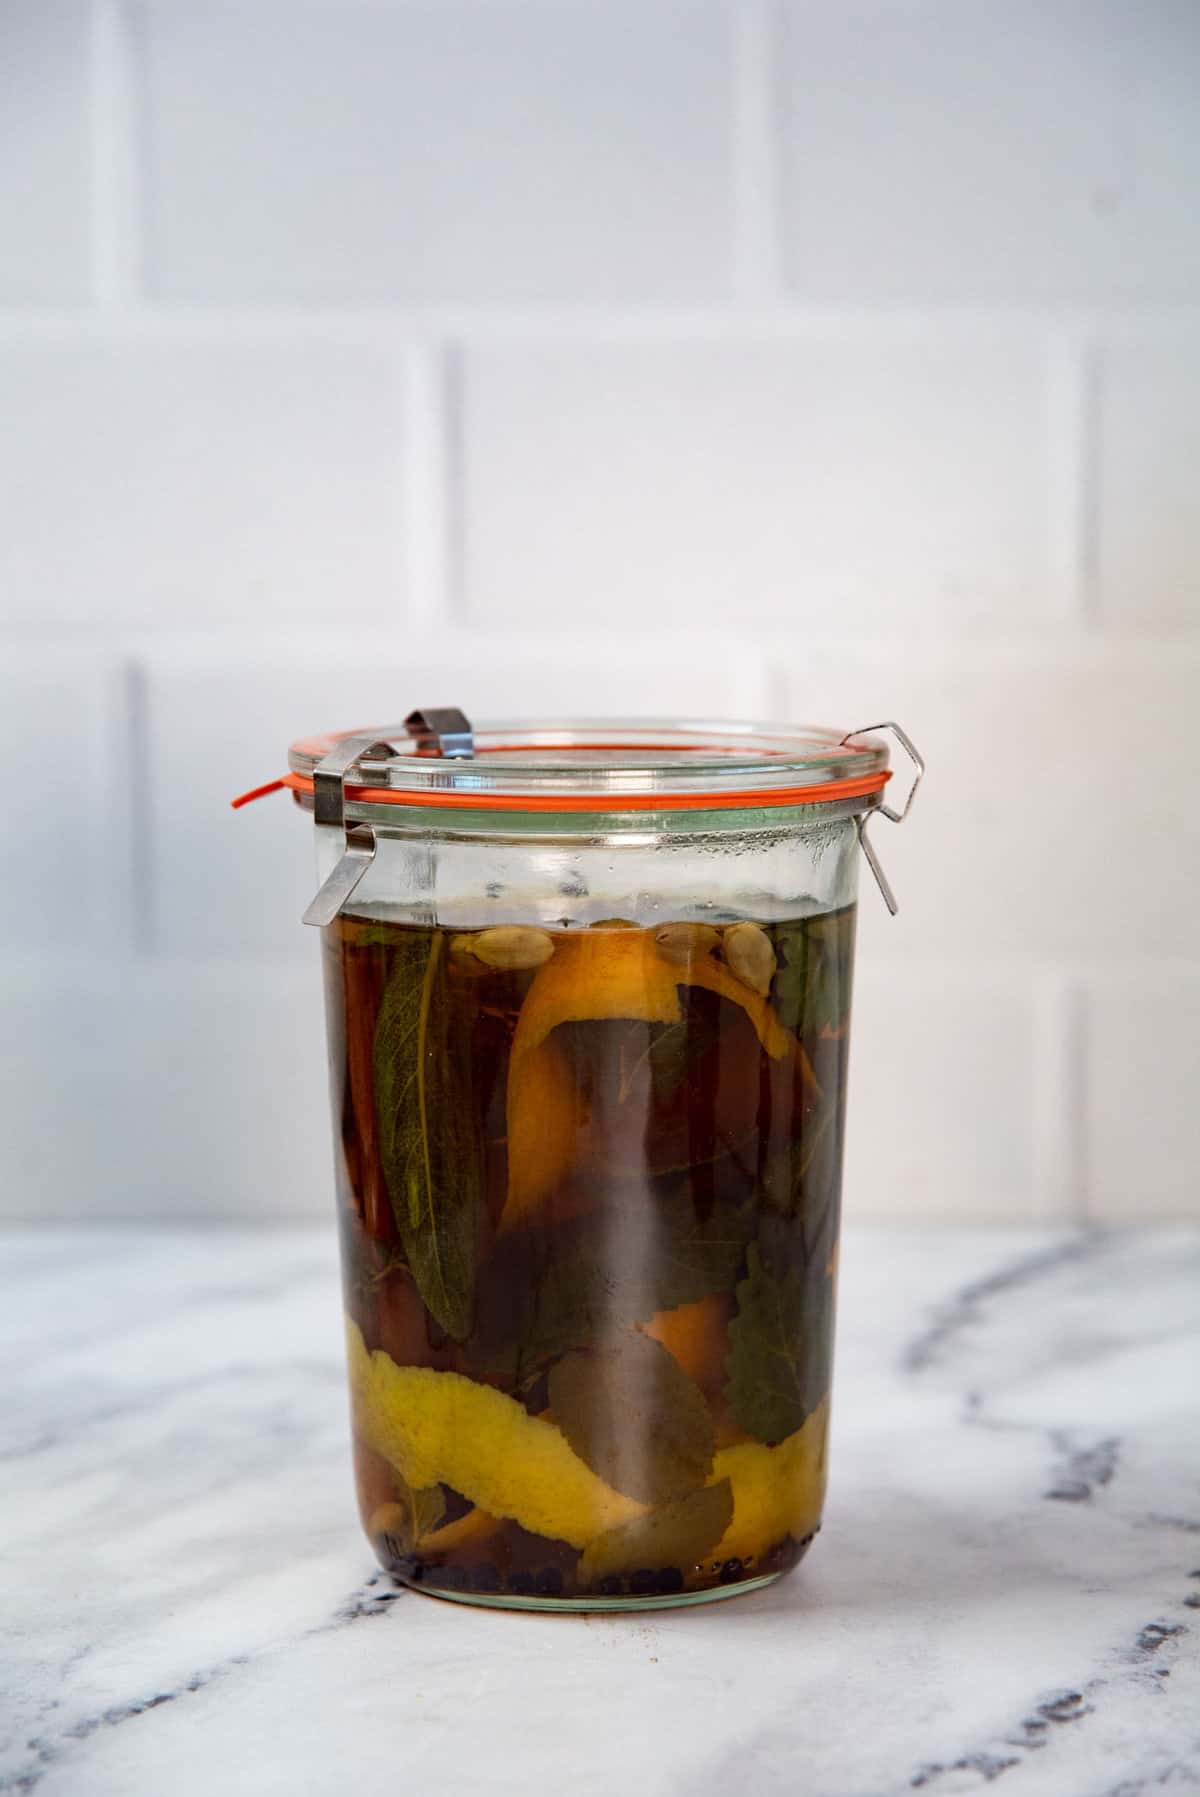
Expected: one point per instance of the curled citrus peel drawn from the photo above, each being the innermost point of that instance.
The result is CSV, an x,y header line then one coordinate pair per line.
x,y
471,1530
776,1491
696,1334
546,1115
441,1428
596,976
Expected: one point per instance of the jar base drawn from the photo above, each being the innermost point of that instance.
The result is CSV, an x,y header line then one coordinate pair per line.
x,y
572,1605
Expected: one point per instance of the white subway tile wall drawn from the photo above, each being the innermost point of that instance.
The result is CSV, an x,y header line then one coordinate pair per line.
x,y
165,484
1011,150
838,477
465,153
45,229
768,357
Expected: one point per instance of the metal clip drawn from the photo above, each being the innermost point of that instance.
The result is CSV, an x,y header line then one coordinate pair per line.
x,y
445,729
895,817
447,732
352,865
329,807
329,775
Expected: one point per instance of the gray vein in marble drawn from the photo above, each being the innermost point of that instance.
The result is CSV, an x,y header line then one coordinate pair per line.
x,y
1035,1730
374,1598
966,1307
1003,1595
1083,1470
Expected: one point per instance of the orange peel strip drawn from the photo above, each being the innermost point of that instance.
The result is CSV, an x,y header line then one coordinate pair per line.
x,y
476,1526
594,976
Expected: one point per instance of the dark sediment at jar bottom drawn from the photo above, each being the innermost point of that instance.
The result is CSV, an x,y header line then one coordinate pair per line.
x,y
547,1587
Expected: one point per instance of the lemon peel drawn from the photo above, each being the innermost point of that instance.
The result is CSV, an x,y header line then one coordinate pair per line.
x,y
441,1428
776,1491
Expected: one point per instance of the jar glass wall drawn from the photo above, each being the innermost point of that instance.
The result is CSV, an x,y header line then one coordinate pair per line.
x,y
589,1085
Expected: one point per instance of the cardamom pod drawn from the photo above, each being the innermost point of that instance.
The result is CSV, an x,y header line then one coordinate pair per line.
x,y
749,955
513,946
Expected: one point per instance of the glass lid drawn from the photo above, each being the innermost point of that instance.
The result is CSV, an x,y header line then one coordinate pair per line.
x,y
600,764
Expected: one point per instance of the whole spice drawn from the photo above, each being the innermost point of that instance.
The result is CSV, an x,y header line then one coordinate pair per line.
x,y
750,956
513,946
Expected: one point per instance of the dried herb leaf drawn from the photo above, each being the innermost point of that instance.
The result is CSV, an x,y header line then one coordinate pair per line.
x,y
812,985
428,1140
629,1409
546,1292
400,1525
364,934
676,1534
678,1049
779,1353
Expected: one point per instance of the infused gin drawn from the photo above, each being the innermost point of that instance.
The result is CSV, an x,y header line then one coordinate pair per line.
x,y
589,1186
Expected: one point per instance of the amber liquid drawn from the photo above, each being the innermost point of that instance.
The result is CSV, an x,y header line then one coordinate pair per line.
x,y
589,1207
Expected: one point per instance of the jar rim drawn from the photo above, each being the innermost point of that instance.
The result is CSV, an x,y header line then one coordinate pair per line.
x,y
609,765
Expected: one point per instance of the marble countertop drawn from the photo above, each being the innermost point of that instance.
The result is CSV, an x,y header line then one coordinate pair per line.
x,y
1006,1591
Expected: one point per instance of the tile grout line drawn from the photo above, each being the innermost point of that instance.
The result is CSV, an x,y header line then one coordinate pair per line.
x,y
116,187
772,318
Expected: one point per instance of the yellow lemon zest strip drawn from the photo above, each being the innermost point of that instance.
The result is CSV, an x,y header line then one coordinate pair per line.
x,y
776,1491
441,1428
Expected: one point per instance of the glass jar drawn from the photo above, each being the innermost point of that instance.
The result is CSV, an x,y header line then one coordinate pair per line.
x,y
588,997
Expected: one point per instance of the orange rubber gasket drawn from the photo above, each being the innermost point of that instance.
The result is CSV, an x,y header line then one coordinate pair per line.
x,y
596,802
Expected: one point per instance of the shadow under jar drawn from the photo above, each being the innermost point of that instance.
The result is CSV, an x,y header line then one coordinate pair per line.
x,y
588,999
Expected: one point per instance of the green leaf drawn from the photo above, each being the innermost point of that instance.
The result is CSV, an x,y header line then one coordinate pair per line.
x,y
677,1534
428,1140
545,1292
414,1513
812,992
779,1352
678,1048
812,985
378,935
630,1411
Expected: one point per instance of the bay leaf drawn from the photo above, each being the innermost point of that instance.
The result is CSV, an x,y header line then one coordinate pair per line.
x,y
545,1291
373,935
779,1347
635,1417
401,1524
429,1142
802,1178
678,1048
678,1534
811,988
